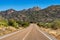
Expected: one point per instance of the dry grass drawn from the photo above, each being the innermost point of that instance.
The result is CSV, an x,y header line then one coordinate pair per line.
x,y
7,30
55,33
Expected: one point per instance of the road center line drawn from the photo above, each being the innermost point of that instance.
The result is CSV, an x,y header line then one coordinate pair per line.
x,y
26,35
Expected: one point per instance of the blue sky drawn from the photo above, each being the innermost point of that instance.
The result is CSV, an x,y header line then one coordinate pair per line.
x,y
25,4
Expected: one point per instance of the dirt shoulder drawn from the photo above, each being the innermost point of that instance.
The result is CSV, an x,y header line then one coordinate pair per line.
x,y
7,30
55,33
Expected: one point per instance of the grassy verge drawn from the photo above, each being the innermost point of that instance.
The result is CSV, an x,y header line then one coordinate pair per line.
x,y
11,25
55,33
52,28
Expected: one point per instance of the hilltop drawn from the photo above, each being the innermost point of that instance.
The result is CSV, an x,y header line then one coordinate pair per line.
x,y
34,14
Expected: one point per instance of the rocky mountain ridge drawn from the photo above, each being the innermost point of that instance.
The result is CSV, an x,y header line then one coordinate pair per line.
x,y
34,14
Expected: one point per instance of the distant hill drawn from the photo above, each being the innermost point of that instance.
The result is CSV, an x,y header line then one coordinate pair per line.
x,y
34,14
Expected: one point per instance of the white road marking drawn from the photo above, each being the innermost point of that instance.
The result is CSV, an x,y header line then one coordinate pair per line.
x,y
7,35
43,33
26,35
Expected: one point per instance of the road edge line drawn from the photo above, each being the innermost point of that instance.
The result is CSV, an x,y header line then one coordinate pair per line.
x,y
7,35
43,33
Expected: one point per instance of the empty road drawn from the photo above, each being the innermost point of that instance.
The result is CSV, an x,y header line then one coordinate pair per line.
x,y
30,33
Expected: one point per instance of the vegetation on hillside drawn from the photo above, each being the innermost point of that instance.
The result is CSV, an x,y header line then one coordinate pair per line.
x,y
44,17
34,14
13,23
54,25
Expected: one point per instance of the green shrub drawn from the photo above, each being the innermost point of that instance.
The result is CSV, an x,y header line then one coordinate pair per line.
x,y
53,25
3,22
13,23
25,24
41,24
48,25
57,23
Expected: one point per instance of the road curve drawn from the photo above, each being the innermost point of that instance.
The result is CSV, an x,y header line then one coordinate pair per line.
x,y
30,33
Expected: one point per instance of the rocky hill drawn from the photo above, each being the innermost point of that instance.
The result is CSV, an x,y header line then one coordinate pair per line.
x,y
34,14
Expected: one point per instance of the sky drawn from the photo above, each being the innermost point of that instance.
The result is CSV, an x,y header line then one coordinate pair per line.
x,y
25,4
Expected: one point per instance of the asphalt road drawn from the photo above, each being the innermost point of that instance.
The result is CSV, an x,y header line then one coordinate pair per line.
x,y
30,33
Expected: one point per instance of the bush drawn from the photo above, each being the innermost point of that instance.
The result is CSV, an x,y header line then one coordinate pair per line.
x,y
41,24
57,23
3,22
25,24
13,23
48,25
53,25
